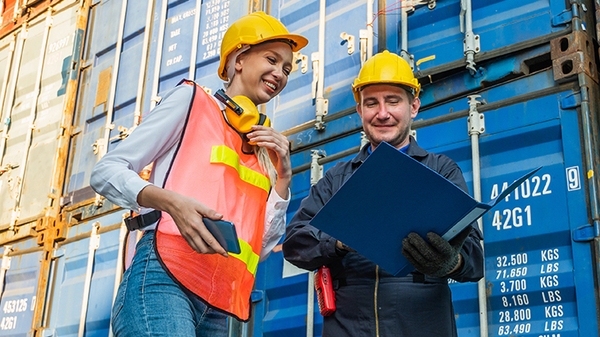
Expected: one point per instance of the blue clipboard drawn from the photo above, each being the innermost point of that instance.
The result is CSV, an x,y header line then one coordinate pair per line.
x,y
391,195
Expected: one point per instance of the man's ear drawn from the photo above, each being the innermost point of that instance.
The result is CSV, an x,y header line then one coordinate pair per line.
x,y
359,110
414,108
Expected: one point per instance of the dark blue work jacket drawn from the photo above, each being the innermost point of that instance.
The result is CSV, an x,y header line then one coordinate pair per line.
x,y
416,305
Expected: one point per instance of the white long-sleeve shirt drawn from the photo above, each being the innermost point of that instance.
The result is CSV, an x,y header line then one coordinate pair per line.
x,y
155,140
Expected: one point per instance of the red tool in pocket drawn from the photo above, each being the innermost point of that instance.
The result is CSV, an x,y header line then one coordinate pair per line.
x,y
325,292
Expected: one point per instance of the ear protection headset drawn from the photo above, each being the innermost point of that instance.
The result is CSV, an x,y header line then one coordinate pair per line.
x,y
241,112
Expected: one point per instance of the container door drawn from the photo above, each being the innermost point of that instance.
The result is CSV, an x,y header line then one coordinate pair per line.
x,y
441,34
191,43
82,286
20,272
539,261
327,66
322,83
129,67
112,82
34,99
539,273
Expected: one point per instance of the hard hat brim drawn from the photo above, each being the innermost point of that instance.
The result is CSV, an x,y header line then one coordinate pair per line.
x,y
296,42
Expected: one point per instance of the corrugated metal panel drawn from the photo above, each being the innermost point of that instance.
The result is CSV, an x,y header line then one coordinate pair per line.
x,y
214,19
7,48
538,278
164,60
331,60
20,273
13,13
83,267
34,103
497,27
137,49
531,119
108,88
435,42
83,280
283,305
532,277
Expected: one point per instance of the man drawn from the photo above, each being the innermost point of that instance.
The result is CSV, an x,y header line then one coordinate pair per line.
x,y
370,301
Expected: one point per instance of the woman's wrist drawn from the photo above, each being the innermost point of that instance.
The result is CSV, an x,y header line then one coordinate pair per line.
x,y
282,187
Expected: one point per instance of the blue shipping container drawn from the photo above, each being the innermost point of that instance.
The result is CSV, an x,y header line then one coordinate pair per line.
x,y
507,86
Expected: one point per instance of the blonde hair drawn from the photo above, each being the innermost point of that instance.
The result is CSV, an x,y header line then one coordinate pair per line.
x,y
266,164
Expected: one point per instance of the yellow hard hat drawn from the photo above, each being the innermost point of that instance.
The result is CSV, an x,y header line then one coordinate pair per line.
x,y
386,68
253,29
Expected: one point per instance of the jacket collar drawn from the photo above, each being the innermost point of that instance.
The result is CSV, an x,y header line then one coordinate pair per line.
x,y
414,150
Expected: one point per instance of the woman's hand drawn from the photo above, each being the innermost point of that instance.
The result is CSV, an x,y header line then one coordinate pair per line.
x,y
187,213
278,148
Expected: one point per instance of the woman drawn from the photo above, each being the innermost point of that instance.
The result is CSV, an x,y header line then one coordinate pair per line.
x,y
208,162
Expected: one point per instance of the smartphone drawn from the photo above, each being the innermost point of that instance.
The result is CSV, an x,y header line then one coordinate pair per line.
x,y
224,232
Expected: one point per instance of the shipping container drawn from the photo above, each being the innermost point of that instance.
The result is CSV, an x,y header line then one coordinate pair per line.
x,y
20,273
507,86
35,62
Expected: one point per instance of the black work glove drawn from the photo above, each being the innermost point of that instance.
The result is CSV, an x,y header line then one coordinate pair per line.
x,y
436,258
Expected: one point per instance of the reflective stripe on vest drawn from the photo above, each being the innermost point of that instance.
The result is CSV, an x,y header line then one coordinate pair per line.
x,y
224,155
210,167
247,256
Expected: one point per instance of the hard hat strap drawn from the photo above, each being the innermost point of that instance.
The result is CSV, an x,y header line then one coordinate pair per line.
x,y
232,59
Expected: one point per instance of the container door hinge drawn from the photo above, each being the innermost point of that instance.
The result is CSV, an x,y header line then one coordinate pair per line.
x,y
570,101
562,19
5,266
364,43
476,121
349,40
363,139
98,200
6,259
471,41
584,233
14,218
409,58
322,109
316,169
471,46
99,146
302,61
322,104
94,237
314,58
123,133
257,296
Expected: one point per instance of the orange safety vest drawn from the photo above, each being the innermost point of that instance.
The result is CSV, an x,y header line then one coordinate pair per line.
x,y
210,167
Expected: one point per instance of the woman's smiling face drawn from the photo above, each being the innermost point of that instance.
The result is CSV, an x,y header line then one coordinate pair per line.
x,y
262,71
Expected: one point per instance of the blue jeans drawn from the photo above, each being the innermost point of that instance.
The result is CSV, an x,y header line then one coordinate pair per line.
x,y
150,303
